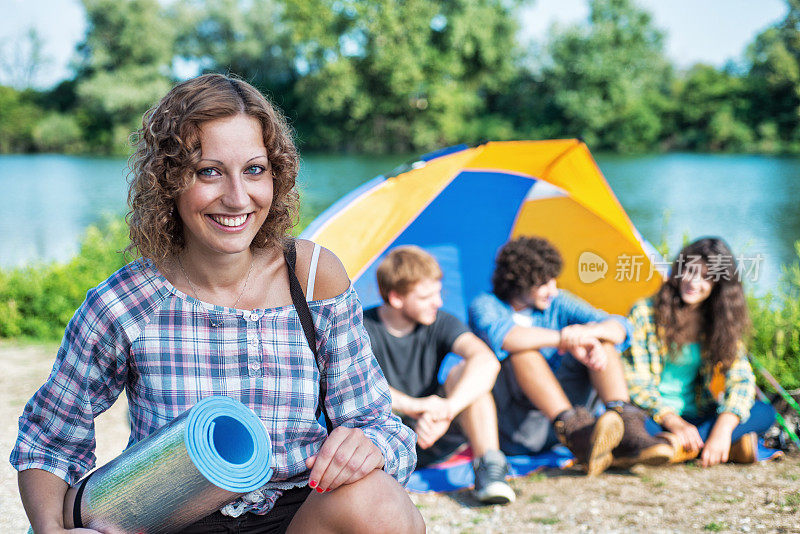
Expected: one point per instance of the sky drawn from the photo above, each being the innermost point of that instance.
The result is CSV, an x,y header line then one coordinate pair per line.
x,y
708,31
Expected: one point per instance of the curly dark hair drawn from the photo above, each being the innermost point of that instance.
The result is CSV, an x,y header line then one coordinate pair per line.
x,y
168,150
522,264
724,316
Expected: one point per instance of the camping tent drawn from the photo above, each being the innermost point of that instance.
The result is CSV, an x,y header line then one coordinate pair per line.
x,y
461,204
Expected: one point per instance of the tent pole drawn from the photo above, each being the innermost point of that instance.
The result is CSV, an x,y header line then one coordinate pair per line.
x,y
774,383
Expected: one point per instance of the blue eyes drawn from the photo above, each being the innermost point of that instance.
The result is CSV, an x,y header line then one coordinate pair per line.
x,y
255,169
209,171
252,169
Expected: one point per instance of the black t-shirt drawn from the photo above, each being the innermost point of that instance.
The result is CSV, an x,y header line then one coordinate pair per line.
x,y
411,363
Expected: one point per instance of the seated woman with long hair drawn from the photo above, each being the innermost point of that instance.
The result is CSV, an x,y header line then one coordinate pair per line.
x,y
687,334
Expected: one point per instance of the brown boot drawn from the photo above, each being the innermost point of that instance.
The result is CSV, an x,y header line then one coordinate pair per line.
x,y
679,455
590,440
637,445
745,450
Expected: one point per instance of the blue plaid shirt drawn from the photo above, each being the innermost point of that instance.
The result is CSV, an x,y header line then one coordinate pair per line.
x,y
168,350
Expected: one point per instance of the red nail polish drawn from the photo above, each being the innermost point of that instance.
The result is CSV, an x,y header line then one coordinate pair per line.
x,y
312,483
320,490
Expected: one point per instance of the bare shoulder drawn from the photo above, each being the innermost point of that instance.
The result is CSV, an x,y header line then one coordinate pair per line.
x,y
331,277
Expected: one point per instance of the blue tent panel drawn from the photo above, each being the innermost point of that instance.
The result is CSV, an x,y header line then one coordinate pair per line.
x,y
467,243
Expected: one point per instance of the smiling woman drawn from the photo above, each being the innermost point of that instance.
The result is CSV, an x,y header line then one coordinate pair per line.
x,y
687,365
215,306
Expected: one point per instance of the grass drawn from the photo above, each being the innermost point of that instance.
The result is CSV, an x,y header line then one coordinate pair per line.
x,y
546,520
727,498
536,498
656,483
792,501
715,527
536,477
791,476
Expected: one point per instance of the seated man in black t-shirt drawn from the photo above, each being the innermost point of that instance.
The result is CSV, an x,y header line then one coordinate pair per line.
x,y
410,337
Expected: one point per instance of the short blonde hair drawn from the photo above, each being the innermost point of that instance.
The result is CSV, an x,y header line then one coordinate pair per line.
x,y
403,267
168,149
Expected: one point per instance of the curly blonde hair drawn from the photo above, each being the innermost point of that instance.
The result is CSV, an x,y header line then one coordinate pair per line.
x,y
168,150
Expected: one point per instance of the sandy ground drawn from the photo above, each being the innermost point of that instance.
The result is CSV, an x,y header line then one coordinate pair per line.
x,y
761,498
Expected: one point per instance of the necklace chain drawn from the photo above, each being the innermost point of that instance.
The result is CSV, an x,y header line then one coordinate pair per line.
x,y
194,290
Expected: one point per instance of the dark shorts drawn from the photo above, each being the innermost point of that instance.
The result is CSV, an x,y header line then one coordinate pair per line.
x,y
275,521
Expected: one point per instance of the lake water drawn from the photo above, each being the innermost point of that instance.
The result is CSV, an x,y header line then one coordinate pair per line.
x,y
751,201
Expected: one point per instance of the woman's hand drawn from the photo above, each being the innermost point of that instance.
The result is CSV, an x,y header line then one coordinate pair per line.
x,y
687,433
718,445
347,456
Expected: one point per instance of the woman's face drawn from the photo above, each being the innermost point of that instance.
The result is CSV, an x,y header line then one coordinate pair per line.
x,y
694,285
231,194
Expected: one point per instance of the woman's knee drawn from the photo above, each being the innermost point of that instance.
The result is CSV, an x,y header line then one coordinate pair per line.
x,y
376,503
383,505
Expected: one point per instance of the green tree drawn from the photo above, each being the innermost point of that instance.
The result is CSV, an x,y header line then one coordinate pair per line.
x,y
124,67
710,111
18,116
249,39
774,78
606,81
384,75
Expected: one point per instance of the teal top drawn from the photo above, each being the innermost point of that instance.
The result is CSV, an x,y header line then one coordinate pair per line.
x,y
679,380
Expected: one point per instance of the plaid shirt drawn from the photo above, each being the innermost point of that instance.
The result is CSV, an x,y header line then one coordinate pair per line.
x,y
168,351
644,361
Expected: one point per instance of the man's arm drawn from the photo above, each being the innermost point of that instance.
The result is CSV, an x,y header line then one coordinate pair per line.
x,y
404,404
521,338
480,371
609,330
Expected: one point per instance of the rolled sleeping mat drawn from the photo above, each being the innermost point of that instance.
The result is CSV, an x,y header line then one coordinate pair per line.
x,y
205,458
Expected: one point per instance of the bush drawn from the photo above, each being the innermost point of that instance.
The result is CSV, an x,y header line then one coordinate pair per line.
x,y
775,341
18,116
58,132
38,302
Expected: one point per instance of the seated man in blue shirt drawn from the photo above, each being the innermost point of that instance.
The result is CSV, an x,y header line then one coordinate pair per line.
x,y
557,353
410,336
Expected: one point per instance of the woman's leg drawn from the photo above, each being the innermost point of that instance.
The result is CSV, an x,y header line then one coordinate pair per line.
x,y
762,416
376,503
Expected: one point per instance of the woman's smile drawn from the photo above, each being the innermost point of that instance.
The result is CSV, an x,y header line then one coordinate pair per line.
x,y
231,223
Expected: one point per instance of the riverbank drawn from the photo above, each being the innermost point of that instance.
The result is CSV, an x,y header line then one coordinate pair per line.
x,y
761,498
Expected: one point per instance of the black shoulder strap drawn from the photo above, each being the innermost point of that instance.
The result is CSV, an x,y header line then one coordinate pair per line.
x,y
77,521
303,311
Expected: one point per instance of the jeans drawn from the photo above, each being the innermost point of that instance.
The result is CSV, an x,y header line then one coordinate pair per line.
x,y
762,415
